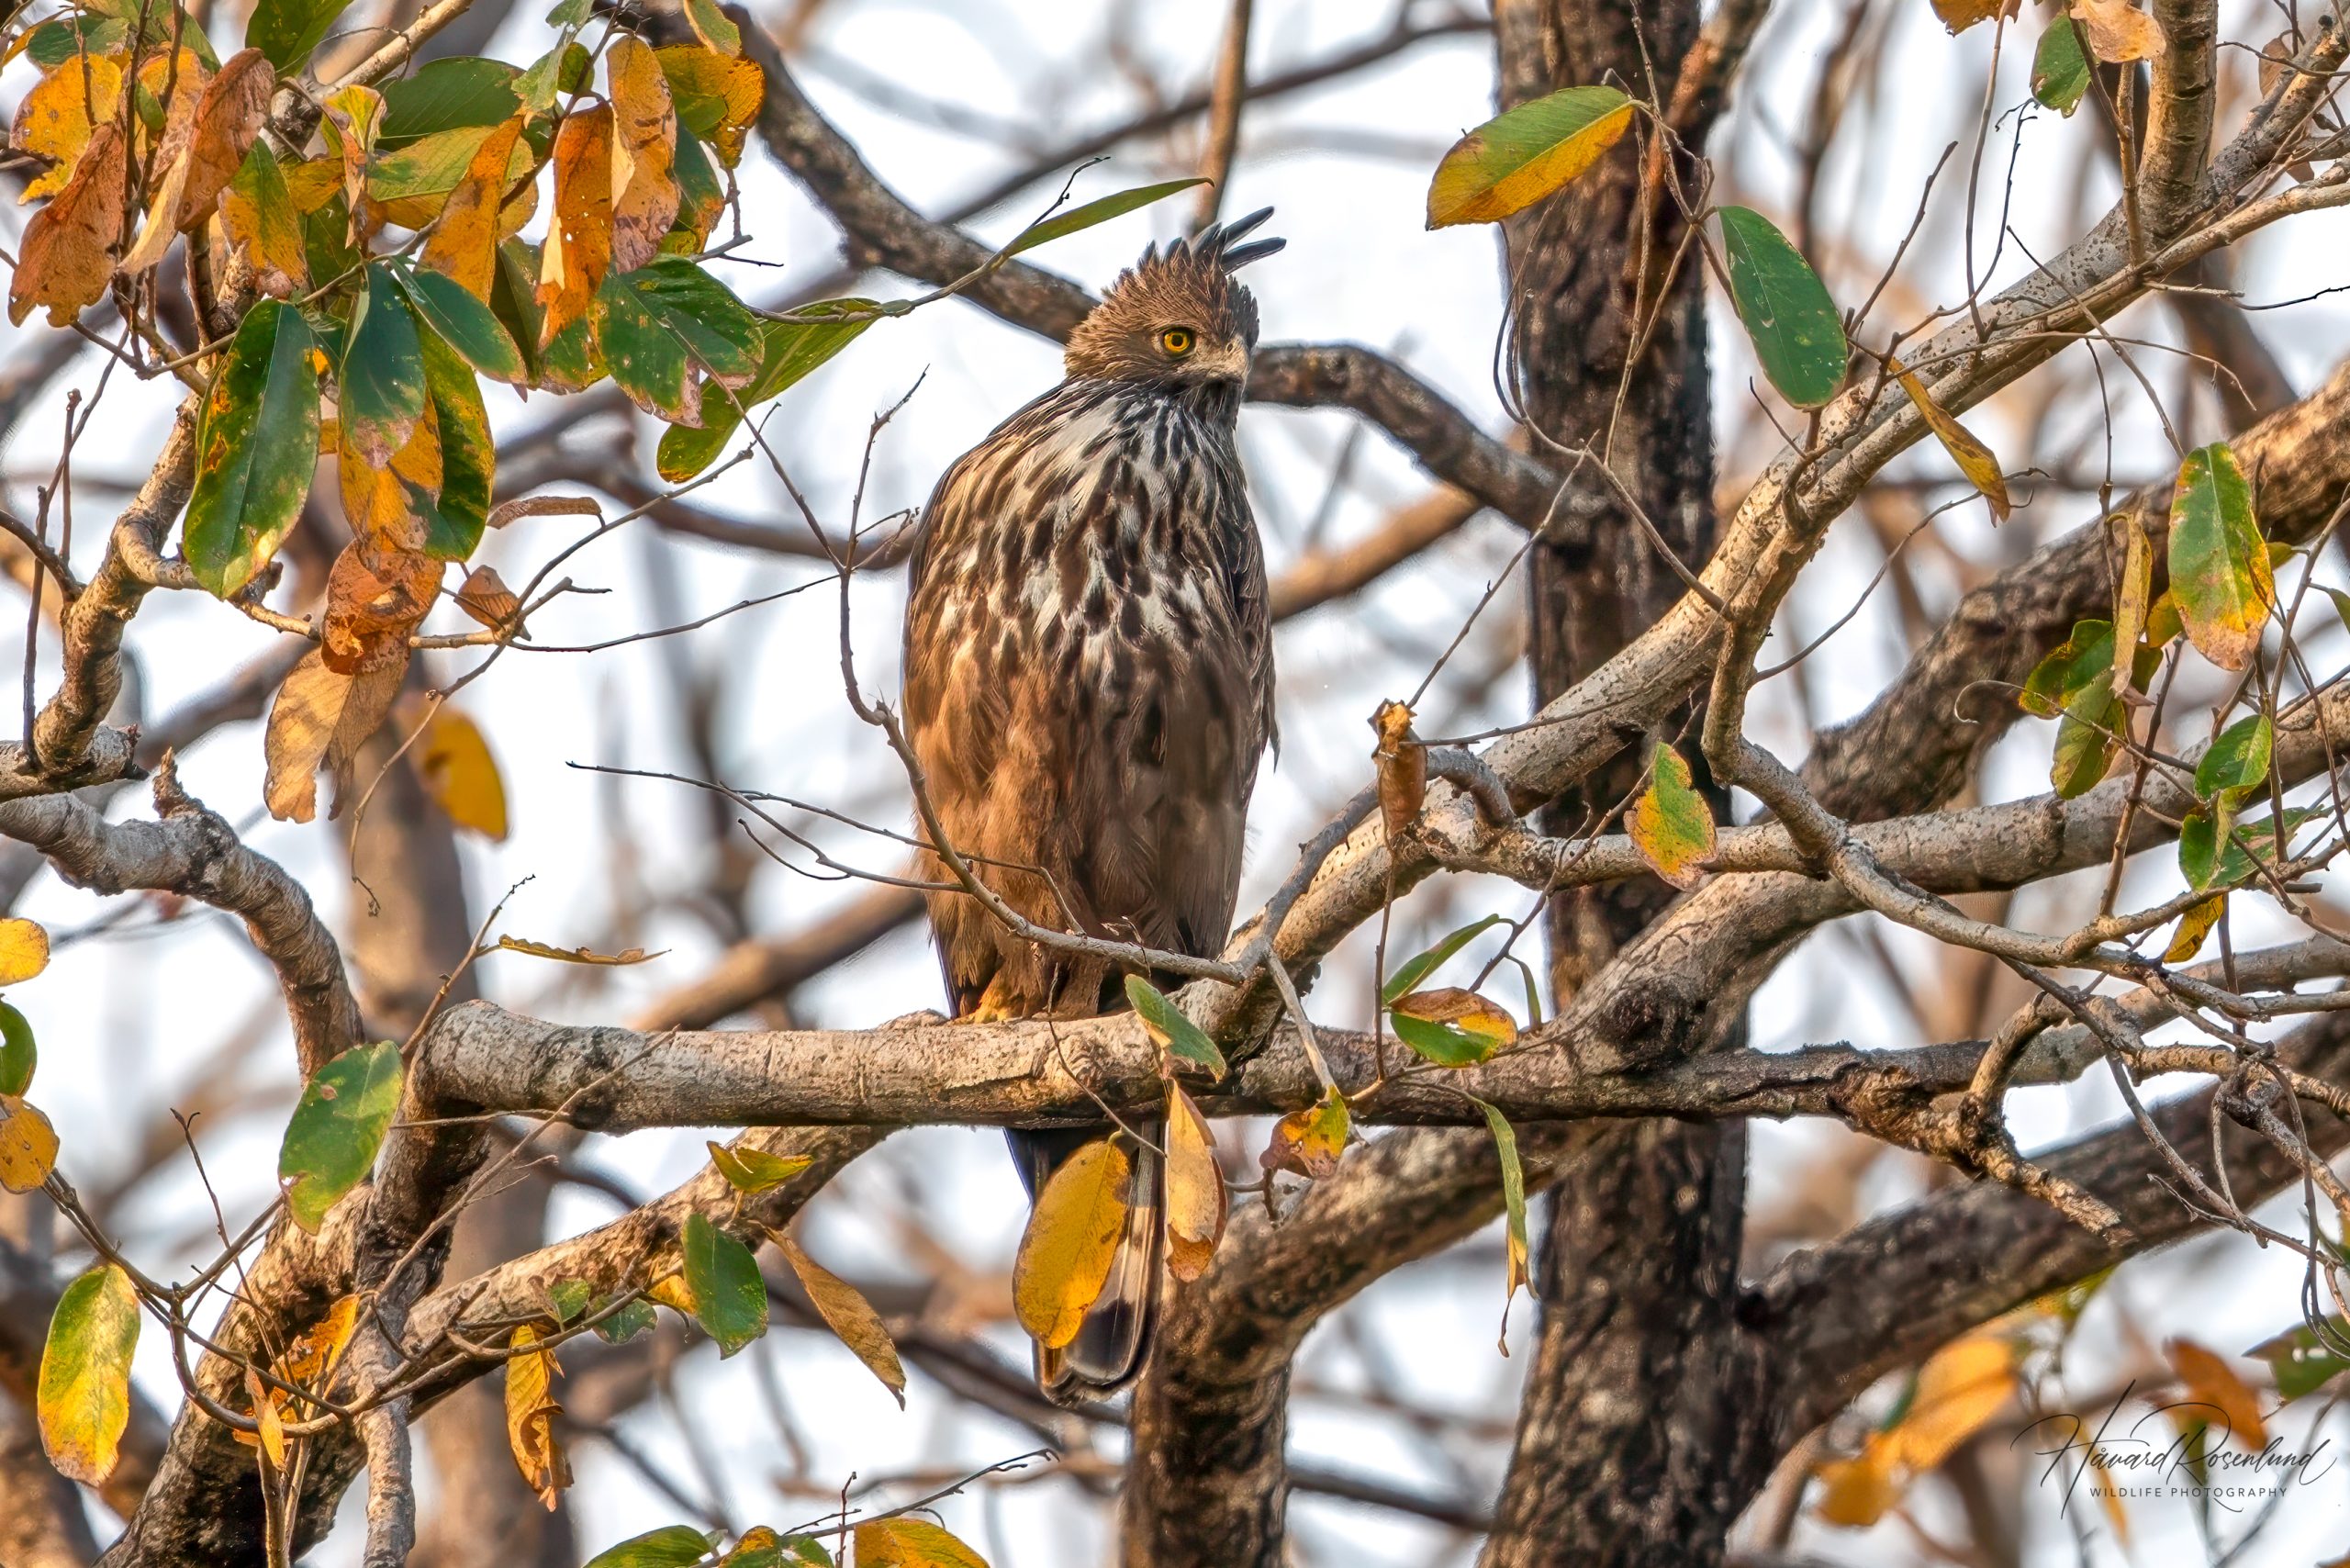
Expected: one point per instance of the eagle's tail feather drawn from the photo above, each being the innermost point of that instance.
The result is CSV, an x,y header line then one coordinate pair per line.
x,y
1114,1340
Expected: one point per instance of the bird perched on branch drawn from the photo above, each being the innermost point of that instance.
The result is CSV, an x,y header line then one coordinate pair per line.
x,y
1089,685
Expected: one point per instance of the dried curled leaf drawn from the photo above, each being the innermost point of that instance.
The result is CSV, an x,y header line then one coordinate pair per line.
x,y
1197,1203
228,123
67,254
322,716
2208,1380
1402,767
1071,1240
1976,461
486,599
531,1410
575,955
848,1315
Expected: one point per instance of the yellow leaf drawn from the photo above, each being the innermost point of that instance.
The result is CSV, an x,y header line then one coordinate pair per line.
x,y
1671,824
57,116
644,151
2129,605
1960,15
1525,153
1197,1203
2193,928
755,1170
1960,1386
530,1411
848,1315
310,1361
575,955
579,239
459,773
28,1146
1975,460
23,951
266,1417
2208,1380
1307,1143
66,260
910,1543
84,1397
736,86
672,1293
463,244
2118,31
1857,1492
1072,1237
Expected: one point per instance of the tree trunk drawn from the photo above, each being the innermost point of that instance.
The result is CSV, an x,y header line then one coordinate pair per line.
x,y
1621,1436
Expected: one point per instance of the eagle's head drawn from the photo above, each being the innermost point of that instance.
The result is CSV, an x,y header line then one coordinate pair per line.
x,y
1178,319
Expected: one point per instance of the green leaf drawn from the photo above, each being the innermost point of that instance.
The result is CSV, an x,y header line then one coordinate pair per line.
x,y
2219,563
626,1323
287,30
1671,824
665,326
569,1298
701,196
2086,739
2234,866
1515,159
709,25
160,23
1797,335
1407,976
468,326
1101,209
755,1170
672,1546
2080,662
513,300
729,1298
789,350
1167,1027
571,13
445,95
54,42
2341,603
2198,847
2301,1359
84,1390
382,379
18,1054
325,239
1446,1044
2060,73
1512,1205
331,1144
256,447
2237,763
454,517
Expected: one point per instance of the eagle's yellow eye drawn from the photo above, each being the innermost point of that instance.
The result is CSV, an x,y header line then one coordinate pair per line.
x,y
1176,341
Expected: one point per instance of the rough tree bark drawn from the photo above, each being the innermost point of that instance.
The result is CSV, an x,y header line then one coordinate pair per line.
x,y
1624,1414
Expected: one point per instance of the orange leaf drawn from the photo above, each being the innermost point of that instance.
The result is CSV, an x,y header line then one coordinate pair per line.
x,y
374,599
168,168
579,241
67,255
645,150
2210,1381
463,244
228,121
56,119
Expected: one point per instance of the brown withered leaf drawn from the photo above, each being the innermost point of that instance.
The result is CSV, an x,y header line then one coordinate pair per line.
x,y
580,240
2118,31
531,1410
168,168
375,598
2276,58
322,716
66,257
55,119
1197,1203
267,1416
228,121
576,955
848,1315
644,151
1402,767
486,599
1307,1143
464,245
